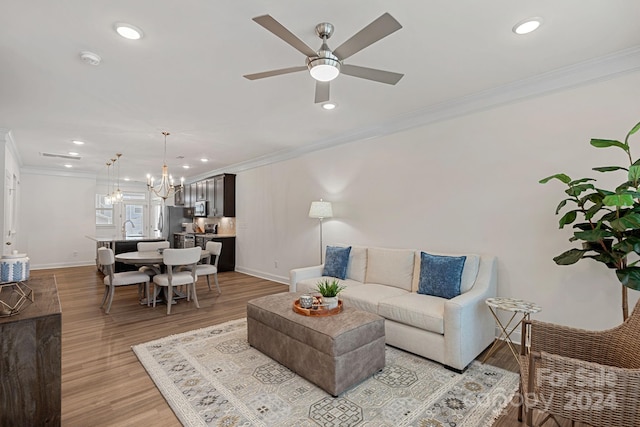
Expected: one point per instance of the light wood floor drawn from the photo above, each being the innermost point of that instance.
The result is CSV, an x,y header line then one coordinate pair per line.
x,y
103,384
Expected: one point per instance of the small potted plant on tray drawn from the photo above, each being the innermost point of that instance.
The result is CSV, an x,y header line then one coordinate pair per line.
x,y
329,289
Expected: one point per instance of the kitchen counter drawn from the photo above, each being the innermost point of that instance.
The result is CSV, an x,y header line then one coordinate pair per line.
x,y
120,239
207,235
119,245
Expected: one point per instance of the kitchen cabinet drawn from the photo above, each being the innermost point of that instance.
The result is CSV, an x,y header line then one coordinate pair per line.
x,y
201,191
31,392
221,195
189,195
227,260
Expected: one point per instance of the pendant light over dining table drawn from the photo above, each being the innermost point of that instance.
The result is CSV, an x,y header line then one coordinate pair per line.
x,y
165,187
113,195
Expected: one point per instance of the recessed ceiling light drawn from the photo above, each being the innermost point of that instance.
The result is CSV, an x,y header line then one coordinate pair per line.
x,y
127,179
75,141
68,166
128,31
204,160
186,166
328,105
527,25
73,153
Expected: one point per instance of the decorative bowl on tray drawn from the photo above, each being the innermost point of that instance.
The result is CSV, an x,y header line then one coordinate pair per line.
x,y
317,310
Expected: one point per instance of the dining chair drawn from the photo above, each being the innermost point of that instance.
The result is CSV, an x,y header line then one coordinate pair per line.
x,y
113,279
150,247
209,268
173,259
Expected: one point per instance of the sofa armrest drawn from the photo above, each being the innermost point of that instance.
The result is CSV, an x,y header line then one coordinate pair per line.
x,y
298,274
468,325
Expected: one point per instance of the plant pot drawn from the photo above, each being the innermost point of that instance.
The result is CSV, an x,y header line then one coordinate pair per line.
x,y
330,302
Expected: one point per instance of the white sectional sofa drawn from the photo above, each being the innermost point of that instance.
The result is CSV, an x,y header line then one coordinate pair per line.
x,y
385,281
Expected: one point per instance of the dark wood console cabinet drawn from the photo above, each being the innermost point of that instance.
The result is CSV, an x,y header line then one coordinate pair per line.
x,y
30,344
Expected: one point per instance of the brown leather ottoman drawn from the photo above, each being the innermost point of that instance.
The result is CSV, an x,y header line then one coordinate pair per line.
x,y
333,352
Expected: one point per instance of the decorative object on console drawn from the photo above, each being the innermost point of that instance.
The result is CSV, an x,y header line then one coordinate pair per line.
x,y
611,221
440,275
321,210
166,186
14,269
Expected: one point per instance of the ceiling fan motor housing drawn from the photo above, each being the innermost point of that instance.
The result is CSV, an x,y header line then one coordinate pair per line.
x,y
325,66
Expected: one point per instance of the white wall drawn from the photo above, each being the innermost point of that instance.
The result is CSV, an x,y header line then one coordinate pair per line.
x,y
468,184
57,212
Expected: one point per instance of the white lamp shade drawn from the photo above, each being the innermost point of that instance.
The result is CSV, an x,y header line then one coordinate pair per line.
x,y
320,209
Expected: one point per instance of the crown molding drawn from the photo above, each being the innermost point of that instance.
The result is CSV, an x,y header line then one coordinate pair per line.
x,y
580,74
56,172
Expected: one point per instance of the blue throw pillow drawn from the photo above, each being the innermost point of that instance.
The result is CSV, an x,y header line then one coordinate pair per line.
x,y
335,262
440,275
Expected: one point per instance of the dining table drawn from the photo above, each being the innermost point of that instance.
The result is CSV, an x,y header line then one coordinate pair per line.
x,y
153,259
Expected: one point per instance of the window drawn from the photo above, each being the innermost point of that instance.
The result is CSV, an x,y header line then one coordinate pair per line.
x,y
104,211
134,213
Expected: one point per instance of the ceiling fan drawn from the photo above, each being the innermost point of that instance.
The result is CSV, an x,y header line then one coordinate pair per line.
x,y
325,64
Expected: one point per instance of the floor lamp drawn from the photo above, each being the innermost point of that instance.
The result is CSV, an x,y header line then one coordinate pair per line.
x,y
320,210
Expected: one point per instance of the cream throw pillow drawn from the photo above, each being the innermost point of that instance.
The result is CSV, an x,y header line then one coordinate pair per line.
x,y
392,267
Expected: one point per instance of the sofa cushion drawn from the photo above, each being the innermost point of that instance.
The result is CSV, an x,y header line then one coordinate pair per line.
x,y
469,272
440,275
335,262
309,285
357,266
422,311
392,267
367,296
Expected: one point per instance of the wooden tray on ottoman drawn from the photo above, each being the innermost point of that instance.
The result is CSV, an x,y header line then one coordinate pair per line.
x,y
319,312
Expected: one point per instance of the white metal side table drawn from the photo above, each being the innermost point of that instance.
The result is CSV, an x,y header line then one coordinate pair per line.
x,y
516,306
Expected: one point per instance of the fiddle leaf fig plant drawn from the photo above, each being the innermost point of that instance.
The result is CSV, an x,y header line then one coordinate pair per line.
x,y
606,222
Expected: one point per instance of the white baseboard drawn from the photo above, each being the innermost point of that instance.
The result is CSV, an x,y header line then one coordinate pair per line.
x,y
262,275
63,265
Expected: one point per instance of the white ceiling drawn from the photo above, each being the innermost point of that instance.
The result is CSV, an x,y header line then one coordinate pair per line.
x,y
185,75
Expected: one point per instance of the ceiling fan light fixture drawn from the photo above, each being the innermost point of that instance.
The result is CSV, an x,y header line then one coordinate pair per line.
x,y
324,69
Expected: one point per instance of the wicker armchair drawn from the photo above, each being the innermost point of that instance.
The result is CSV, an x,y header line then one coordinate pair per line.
x,y
587,376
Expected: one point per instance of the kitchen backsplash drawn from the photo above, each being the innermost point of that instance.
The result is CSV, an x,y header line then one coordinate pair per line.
x,y
226,225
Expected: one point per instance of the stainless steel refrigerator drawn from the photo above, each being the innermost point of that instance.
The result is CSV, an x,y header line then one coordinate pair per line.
x,y
171,220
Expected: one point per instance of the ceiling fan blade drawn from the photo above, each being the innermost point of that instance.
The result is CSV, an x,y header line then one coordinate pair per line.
x,y
378,29
322,91
371,74
279,30
274,72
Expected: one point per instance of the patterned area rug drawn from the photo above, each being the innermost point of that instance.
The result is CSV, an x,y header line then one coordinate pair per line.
x,y
212,377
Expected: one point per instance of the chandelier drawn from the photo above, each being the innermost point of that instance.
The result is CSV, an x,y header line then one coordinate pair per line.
x,y
165,187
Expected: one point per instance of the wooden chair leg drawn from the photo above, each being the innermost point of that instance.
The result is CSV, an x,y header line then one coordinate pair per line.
x,y
215,278
195,297
169,299
146,291
104,297
154,295
113,291
208,282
